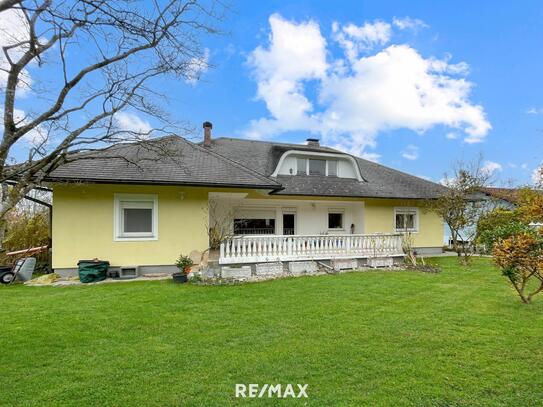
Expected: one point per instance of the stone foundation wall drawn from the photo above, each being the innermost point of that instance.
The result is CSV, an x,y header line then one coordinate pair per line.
x,y
267,271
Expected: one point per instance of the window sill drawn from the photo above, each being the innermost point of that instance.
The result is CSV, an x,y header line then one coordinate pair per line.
x,y
406,231
135,238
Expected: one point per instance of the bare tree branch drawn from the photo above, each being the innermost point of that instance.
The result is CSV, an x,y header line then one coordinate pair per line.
x,y
7,4
106,54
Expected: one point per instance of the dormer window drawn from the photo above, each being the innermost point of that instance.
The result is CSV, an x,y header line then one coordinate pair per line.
x,y
316,166
319,164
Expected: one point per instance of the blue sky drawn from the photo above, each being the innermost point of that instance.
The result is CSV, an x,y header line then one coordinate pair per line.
x,y
501,43
415,85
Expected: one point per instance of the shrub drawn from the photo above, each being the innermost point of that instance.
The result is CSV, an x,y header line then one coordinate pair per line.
x,y
520,258
184,263
498,225
26,229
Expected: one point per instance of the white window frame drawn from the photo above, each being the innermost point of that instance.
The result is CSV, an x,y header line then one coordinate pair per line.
x,y
306,170
404,210
118,234
328,168
317,159
340,211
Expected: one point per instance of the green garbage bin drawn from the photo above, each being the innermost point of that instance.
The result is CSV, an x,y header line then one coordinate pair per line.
x,y
91,271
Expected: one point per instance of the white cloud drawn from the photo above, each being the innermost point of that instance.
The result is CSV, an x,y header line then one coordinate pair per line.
x,y
355,39
490,167
132,123
408,23
535,110
197,67
296,53
411,152
452,135
357,97
524,166
13,29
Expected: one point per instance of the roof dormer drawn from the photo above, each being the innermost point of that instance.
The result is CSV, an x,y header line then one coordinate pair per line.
x,y
324,164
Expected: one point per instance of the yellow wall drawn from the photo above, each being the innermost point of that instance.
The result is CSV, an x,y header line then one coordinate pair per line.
x,y
379,218
83,225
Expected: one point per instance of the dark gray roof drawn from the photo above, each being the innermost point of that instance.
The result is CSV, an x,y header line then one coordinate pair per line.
x,y
168,160
235,162
260,156
378,181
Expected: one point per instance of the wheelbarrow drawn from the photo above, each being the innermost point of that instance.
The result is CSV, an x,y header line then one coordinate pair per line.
x,y
24,266
23,270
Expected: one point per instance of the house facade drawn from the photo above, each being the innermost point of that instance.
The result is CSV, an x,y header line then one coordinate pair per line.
x,y
142,204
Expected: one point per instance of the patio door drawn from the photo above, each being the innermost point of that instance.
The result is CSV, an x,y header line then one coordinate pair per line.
x,y
289,223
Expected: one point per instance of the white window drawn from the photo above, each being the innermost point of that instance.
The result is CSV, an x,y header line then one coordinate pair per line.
x,y
317,167
406,219
301,166
335,220
136,217
332,168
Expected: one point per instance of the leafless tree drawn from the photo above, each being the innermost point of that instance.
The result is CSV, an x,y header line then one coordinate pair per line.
x,y
408,248
219,223
463,203
538,177
69,68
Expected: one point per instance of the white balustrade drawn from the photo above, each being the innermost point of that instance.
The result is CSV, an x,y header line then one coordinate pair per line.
x,y
268,248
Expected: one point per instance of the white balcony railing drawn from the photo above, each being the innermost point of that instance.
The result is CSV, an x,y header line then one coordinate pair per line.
x,y
259,249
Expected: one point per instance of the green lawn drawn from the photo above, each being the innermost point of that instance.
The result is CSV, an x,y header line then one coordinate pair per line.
x,y
458,338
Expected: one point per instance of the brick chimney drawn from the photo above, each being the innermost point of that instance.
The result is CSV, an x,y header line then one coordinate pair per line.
x,y
207,133
313,142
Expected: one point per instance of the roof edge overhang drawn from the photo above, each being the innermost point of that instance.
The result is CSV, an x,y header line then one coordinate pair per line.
x,y
270,187
355,196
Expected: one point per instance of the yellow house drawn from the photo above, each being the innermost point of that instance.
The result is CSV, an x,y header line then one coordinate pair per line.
x,y
142,204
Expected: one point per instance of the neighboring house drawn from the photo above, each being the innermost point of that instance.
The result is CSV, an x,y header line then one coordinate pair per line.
x,y
493,198
142,204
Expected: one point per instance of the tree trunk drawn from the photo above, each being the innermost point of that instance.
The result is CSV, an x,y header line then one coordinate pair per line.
x,y
540,289
520,291
3,198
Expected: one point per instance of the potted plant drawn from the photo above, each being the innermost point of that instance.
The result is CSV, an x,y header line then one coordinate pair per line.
x,y
183,263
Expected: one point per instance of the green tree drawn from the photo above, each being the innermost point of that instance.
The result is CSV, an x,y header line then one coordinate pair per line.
x,y
497,225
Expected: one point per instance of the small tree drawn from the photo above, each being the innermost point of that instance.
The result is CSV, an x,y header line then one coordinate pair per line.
x,y
407,247
219,223
520,258
497,225
530,205
460,207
